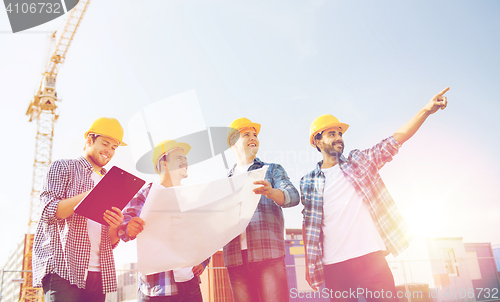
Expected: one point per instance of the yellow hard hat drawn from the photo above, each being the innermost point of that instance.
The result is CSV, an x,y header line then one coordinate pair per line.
x,y
239,124
109,127
324,122
164,147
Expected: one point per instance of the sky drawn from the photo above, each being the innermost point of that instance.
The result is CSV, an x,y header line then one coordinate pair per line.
x,y
373,65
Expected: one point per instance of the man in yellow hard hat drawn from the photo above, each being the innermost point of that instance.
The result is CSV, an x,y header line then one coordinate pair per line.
x,y
350,221
179,285
72,255
255,260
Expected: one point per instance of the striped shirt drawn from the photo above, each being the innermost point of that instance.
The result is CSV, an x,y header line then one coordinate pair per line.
x,y
266,228
361,169
62,246
153,285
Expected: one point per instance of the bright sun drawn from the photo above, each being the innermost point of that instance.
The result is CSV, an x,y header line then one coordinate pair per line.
x,y
426,221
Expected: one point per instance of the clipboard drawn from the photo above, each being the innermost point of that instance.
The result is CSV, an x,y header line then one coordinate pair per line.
x,y
115,189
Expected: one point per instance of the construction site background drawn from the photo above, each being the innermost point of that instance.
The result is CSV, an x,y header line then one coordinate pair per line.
x,y
430,270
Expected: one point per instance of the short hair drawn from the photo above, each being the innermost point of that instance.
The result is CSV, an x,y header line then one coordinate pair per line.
x,y
318,136
164,157
92,136
235,136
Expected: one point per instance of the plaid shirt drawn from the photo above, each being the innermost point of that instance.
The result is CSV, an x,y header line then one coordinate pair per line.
x,y
160,284
361,169
62,246
265,231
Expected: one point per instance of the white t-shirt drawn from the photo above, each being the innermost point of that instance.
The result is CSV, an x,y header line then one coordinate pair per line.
x,y
348,227
243,237
94,230
183,274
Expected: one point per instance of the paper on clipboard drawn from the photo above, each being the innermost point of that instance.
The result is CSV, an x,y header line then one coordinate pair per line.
x,y
115,189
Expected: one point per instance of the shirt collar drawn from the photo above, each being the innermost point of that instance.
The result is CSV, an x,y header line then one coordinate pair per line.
x,y
87,165
256,162
318,171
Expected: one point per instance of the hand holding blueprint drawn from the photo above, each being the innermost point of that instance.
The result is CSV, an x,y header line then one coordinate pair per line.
x,y
187,224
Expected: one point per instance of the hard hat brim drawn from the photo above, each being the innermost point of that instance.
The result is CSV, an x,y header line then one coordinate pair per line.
x,y
120,143
342,126
240,127
165,148
250,125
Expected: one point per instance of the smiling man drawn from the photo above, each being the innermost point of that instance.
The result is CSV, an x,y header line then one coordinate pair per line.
x,y
72,255
179,285
255,260
350,221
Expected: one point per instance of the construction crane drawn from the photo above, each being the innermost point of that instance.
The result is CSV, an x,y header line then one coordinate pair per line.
x,y
43,110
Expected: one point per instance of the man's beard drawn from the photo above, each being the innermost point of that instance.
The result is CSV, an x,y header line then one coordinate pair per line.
x,y
330,150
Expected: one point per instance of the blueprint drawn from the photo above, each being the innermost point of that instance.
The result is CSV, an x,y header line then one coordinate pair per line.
x,y
187,224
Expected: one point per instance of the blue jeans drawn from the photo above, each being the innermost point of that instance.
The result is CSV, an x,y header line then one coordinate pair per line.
x,y
264,281
370,273
56,289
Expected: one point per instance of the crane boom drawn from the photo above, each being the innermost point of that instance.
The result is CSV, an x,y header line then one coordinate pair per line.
x,y
43,109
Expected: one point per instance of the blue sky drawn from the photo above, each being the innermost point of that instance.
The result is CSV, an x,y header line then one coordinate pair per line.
x,y
281,63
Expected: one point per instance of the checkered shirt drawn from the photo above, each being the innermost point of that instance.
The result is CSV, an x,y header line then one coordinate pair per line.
x,y
62,246
265,232
154,285
361,169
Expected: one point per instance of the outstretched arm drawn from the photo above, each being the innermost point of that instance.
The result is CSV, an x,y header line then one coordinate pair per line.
x,y
410,128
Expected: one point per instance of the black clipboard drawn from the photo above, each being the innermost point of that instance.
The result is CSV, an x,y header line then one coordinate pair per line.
x,y
115,189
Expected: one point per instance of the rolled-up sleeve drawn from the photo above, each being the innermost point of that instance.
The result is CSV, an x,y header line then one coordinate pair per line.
x,y
54,190
283,183
133,209
206,262
383,152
